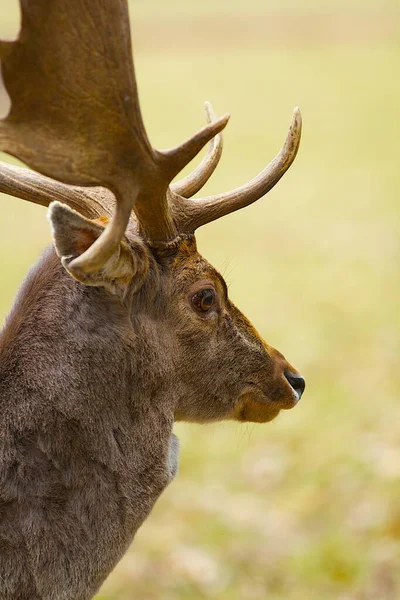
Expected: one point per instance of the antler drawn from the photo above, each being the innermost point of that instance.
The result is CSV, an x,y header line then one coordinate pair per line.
x,y
191,184
75,117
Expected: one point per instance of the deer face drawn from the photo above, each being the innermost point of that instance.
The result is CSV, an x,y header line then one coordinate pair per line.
x,y
217,364
224,368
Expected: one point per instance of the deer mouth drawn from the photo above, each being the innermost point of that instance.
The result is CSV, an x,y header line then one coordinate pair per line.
x,y
282,396
258,405
254,407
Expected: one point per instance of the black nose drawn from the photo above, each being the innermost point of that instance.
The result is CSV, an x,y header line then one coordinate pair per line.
x,y
296,381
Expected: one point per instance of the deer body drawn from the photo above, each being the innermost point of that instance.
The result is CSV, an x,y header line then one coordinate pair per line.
x,y
123,327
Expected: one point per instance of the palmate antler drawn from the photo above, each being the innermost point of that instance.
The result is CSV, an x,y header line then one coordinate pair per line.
x,y
75,118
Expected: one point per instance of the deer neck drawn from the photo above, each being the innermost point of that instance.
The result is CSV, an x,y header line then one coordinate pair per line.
x,y
69,352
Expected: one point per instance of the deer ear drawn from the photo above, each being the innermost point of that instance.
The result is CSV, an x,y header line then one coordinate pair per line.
x,y
73,234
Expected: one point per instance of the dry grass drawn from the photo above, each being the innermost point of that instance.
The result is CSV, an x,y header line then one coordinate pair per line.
x,y
308,506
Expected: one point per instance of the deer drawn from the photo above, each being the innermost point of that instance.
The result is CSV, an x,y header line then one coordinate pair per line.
x,y
122,328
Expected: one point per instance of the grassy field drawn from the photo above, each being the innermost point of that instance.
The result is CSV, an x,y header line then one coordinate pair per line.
x,y
306,507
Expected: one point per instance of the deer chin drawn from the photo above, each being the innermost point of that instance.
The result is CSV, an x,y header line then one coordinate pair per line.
x,y
256,406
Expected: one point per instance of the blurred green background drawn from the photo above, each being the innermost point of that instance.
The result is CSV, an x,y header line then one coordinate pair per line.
x,y
308,506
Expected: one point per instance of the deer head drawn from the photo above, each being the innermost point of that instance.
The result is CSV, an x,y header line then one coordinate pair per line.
x,y
135,312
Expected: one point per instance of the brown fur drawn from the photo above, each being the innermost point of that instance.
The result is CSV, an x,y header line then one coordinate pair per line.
x,y
92,378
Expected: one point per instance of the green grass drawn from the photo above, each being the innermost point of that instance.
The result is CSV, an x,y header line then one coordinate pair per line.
x,y
306,507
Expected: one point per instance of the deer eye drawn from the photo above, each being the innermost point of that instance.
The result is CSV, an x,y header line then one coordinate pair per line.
x,y
204,300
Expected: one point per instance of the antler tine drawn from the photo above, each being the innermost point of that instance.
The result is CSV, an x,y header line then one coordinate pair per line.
x,y
103,248
204,210
192,183
38,189
177,158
